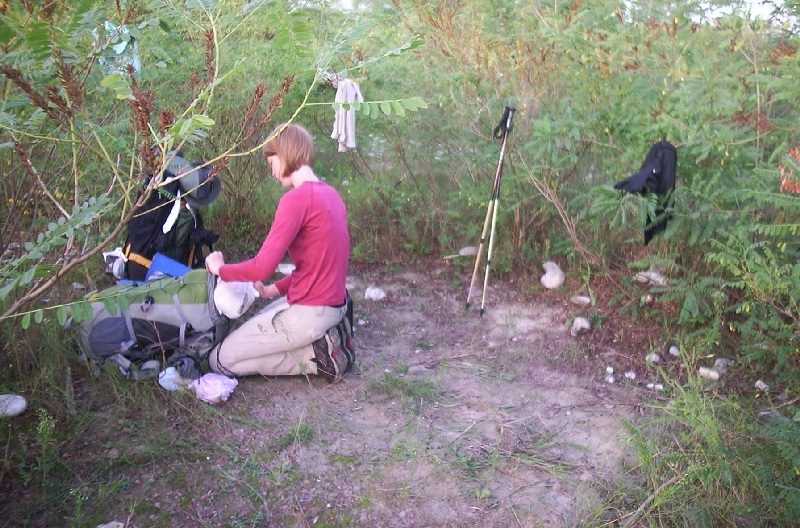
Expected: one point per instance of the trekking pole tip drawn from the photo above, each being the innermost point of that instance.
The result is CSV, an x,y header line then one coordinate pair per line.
x,y
481,312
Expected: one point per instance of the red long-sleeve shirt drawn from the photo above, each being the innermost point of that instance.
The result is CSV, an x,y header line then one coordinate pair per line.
x,y
311,224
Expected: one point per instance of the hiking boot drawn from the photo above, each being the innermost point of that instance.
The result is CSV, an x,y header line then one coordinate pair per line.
x,y
348,313
326,367
331,359
346,335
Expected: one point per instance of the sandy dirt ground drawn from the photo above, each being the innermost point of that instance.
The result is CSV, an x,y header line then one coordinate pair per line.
x,y
448,419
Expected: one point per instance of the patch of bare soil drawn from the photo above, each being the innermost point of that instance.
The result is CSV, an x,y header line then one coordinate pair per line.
x,y
448,419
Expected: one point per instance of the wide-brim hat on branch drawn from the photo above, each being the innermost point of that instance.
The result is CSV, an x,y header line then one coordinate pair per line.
x,y
197,185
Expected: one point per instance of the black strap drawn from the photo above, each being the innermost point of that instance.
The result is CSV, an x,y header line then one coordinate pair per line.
x,y
505,125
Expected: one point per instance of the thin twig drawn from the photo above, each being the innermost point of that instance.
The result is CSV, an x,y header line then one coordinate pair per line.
x,y
785,404
302,511
38,180
516,518
8,446
297,430
462,433
638,513
457,356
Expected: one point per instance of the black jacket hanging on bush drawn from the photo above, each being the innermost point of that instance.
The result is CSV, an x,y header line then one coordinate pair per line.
x,y
656,175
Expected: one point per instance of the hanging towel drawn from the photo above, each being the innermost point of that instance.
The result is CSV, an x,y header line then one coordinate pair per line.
x,y
344,121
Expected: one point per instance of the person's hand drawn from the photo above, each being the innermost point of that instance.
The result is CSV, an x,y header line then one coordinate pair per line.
x,y
214,261
261,289
264,291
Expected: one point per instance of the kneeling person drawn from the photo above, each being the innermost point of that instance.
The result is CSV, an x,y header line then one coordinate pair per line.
x,y
304,331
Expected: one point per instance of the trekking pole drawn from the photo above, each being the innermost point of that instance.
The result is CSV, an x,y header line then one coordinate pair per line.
x,y
500,132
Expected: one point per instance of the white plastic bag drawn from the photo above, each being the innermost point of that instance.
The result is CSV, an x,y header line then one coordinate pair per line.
x,y
115,262
213,388
232,299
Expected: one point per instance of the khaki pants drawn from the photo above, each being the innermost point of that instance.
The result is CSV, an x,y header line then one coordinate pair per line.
x,y
276,341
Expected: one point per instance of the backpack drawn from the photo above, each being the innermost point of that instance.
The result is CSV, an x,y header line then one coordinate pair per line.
x,y
185,234
656,175
165,317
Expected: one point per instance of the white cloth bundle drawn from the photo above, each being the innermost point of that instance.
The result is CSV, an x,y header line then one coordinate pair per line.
x,y
344,121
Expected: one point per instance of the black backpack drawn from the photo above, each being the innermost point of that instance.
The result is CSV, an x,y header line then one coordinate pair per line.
x,y
656,175
185,240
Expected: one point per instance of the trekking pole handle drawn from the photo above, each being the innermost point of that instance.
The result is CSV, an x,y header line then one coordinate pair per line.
x,y
505,125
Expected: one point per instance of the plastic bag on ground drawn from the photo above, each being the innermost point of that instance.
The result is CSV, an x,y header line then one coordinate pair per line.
x,y
212,387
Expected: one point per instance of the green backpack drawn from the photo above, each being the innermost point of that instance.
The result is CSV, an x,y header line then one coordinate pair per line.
x,y
162,316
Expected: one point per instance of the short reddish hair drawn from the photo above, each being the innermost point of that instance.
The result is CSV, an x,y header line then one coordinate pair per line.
x,y
293,145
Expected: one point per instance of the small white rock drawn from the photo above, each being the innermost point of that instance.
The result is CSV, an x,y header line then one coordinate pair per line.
x,y
760,385
651,277
674,351
580,326
553,276
78,286
374,294
361,322
609,370
708,373
647,299
610,378
658,387
468,251
581,300
12,405
721,365
631,375
652,357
